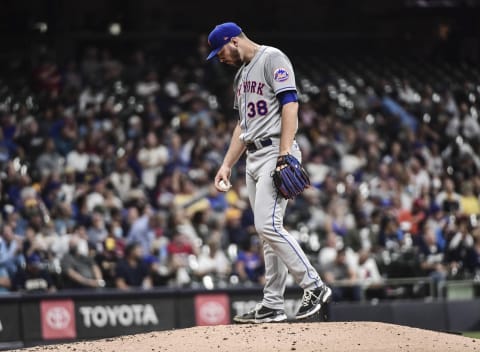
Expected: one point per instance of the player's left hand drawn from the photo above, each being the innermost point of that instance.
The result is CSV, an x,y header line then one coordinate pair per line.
x,y
289,176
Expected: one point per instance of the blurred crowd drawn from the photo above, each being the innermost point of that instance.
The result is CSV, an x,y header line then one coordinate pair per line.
x,y
107,164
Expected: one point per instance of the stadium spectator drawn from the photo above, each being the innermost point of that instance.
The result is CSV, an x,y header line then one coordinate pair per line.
x,y
234,231
132,271
249,265
448,200
108,258
30,139
148,86
212,261
49,159
95,199
35,243
79,268
141,230
368,275
432,258
122,178
158,262
459,243
11,257
152,157
5,282
472,261
97,231
418,176
469,202
343,278
34,278
328,252
78,158
47,76
391,237
179,249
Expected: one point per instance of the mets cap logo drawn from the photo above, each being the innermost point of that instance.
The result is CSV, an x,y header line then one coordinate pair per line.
x,y
280,75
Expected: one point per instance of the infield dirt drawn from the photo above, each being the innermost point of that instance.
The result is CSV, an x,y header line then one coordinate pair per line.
x,y
338,337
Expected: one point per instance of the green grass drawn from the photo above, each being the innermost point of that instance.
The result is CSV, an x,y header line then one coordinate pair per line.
x,y
474,334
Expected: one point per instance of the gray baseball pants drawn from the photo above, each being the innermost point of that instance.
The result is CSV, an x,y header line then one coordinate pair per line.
x,y
282,251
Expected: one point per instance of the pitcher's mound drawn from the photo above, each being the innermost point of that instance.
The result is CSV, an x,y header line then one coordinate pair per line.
x,y
351,336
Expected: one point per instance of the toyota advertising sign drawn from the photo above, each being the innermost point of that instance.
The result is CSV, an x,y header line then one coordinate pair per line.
x,y
212,309
58,319
124,316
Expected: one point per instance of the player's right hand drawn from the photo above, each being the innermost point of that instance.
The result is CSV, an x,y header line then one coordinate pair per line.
x,y
223,174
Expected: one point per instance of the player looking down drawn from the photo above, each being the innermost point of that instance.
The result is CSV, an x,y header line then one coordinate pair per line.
x,y
267,103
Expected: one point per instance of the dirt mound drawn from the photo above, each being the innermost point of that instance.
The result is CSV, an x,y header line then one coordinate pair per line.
x,y
351,336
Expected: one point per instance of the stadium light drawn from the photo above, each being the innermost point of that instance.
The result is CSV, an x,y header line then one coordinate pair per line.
x,y
42,27
115,28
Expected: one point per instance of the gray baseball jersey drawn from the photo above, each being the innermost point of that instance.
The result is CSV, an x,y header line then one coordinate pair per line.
x,y
256,85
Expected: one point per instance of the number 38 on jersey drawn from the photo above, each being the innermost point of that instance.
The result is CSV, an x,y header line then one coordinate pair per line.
x,y
258,108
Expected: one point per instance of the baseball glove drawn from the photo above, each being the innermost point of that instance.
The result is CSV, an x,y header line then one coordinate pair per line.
x,y
289,177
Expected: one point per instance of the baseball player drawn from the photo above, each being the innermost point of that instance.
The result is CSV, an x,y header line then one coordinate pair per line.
x,y
266,100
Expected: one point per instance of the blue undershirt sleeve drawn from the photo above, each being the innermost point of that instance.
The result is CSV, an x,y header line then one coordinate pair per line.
x,y
287,97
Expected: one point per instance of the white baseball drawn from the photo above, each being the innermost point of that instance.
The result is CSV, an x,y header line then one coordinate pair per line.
x,y
224,185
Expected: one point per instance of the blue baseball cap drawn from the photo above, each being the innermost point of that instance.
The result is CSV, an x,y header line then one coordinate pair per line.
x,y
34,260
221,35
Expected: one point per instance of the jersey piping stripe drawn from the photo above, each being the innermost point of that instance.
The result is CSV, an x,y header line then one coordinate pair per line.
x,y
252,64
285,88
316,279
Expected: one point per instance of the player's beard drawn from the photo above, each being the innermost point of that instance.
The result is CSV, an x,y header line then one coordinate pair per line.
x,y
236,60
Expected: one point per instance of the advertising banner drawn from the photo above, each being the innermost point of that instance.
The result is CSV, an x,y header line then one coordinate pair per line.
x,y
58,319
9,322
212,309
115,317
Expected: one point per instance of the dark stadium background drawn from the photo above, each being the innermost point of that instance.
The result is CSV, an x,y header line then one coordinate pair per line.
x,y
407,26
